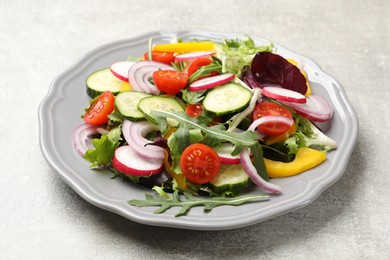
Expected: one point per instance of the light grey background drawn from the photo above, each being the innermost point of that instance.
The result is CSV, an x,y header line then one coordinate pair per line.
x,y
42,218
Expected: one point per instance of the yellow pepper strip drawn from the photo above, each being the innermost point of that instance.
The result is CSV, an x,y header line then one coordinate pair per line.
x,y
295,63
184,47
125,86
305,159
180,178
278,138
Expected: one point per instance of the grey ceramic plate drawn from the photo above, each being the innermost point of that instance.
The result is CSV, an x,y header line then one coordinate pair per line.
x,y
67,98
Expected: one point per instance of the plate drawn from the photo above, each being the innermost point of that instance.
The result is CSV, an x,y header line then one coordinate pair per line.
x,y
59,115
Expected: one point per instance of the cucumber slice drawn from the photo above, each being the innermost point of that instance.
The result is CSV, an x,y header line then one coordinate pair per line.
x,y
231,178
227,99
102,80
127,104
159,103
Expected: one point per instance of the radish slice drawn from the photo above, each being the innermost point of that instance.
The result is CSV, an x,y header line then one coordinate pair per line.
x,y
82,137
121,69
193,55
252,173
316,108
283,94
211,82
127,161
224,152
141,72
134,134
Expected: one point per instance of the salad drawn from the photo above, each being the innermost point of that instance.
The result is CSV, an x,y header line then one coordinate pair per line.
x,y
203,118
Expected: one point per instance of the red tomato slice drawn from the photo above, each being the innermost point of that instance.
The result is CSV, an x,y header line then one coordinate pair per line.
x,y
199,163
100,108
196,64
170,81
271,109
194,110
164,57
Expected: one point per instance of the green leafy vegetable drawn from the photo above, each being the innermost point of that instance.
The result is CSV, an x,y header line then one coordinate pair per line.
x,y
190,201
308,135
104,148
237,53
212,136
192,97
216,66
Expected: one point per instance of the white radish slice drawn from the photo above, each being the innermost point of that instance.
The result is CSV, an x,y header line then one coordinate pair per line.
x,y
315,109
141,72
283,94
134,134
121,69
127,161
193,55
211,82
224,152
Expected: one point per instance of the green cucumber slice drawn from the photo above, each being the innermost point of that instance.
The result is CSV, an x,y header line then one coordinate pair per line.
x,y
101,81
231,178
127,104
227,99
159,103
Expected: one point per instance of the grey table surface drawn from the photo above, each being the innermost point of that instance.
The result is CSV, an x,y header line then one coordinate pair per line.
x,y
42,218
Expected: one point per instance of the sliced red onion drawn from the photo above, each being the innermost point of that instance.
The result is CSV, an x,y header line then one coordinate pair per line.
x,y
82,137
316,108
246,160
268,119
134,134
142,71
255,177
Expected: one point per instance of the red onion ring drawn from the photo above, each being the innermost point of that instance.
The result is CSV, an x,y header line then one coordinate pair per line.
x,y
142,71
316,108
134,134
246,160
82,137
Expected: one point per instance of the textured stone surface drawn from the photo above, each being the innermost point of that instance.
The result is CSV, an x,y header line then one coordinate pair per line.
x,y
42,218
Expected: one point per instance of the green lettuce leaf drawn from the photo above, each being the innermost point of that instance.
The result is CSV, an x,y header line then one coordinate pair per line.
x,y
104,148
237,53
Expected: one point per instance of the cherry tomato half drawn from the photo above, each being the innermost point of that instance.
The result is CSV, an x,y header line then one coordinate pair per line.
x,y
199,163
271,109
194,110
164,57
100,108
170,81
196,64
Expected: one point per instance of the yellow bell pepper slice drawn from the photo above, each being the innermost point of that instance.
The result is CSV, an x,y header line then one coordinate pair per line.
x,y
278,138
180,178
125,86
183,47
295,63
306,158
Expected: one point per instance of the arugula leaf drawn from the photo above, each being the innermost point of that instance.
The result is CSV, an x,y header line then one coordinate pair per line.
x,y
215,66
190,201
212,136
104,148
192,97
